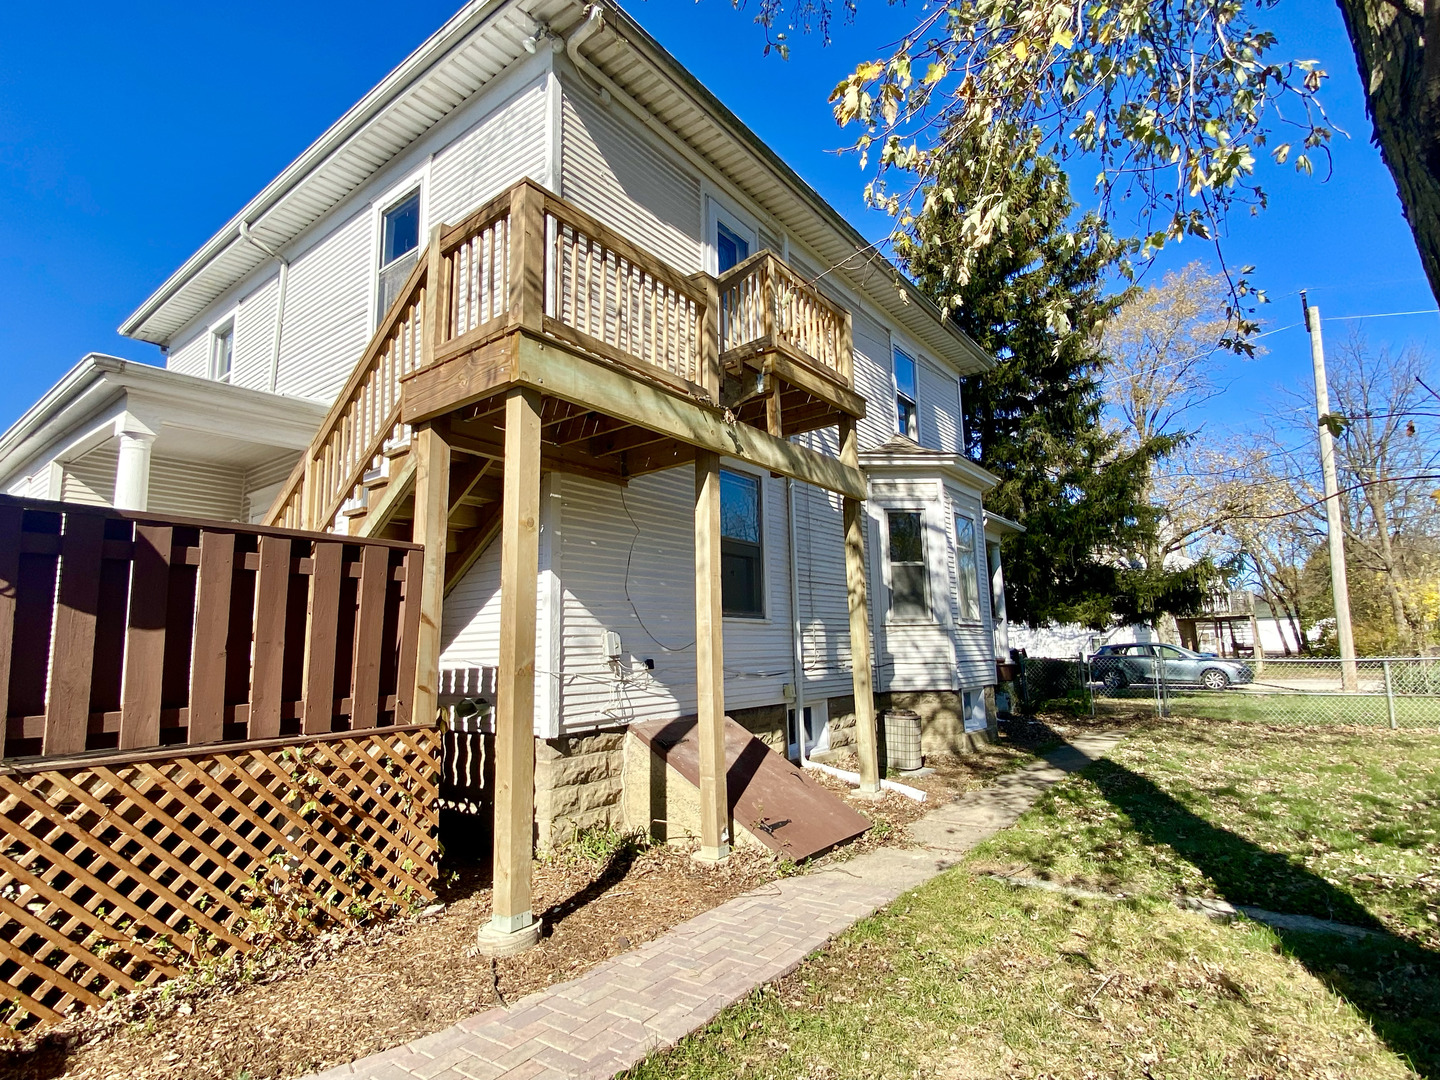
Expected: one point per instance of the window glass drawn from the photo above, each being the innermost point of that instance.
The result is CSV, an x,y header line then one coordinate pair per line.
x,y
908,598
731,249
966,570
222,353
401,234
742,569
905,395
399,251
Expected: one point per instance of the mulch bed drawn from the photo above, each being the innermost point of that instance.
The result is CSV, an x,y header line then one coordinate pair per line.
x,y
357,992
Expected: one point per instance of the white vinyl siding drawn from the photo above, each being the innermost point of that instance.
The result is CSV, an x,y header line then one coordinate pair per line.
x,y
255,337
262,484
191,353
823,597
327,304
939,405
628,182
872,380
90,478
506,146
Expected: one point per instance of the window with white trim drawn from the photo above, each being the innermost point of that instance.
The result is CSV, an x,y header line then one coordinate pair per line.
x,y
731,249
742,552
967,570
222,352
906,394
909,571
399,249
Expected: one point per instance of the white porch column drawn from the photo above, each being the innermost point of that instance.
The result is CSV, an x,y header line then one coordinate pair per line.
x,y
998,615
132,471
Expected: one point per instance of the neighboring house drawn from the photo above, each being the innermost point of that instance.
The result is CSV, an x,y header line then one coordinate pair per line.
x,y
662,195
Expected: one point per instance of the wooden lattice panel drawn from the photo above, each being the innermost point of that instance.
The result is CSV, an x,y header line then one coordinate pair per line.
x,y
116,873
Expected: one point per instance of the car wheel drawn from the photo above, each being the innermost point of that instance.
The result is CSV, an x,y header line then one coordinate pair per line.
x,y
1113,682
1214,679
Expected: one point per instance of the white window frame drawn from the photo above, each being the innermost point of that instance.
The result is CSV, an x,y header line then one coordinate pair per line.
x,y
218,329
764,618
977,533
897,349
415,180
907,506
743,225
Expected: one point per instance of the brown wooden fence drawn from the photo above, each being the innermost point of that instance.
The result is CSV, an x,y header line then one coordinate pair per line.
x,y
207,746
121,630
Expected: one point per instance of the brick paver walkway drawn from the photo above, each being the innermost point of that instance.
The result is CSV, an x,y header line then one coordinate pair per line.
x,y
653,996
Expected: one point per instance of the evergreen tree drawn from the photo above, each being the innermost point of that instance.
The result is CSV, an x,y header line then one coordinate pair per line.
x,y
1036,419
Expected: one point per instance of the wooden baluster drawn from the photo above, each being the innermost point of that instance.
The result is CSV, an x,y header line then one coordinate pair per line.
x,y
272,593
145,637
369,626
320,636
67,707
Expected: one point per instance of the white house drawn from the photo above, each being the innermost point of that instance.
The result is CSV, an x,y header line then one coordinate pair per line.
x,y
263,328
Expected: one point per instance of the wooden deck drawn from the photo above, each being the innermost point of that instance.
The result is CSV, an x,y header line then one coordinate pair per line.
x,y
532,337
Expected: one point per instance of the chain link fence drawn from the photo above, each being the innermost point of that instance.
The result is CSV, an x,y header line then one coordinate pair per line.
x,y
1395,692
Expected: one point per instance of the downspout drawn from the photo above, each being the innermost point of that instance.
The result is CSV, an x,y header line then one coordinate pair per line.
x,y
248,237
796,640
594,23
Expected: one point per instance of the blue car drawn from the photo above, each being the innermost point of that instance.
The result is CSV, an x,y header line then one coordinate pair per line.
x,y
1119,666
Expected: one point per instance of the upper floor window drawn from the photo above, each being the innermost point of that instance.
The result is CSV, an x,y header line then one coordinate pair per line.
x,y
399,248
731,248
909,597
222,352
966,569
742,564
905,396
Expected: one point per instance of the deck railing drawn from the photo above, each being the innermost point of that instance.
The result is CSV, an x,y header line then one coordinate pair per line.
x,y
122,630
765,304
529,260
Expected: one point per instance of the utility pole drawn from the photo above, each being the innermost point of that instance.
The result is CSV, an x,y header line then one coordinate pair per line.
x,y
1339,584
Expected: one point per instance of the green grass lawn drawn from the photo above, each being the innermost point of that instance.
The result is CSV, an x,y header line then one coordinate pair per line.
x,y
1365,710
971,977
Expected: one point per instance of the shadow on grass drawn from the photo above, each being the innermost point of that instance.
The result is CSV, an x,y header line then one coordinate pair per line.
x,y
1394,983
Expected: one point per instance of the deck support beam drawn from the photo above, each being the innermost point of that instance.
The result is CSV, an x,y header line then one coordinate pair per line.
x,y
515,676
431,454
866,741
710,661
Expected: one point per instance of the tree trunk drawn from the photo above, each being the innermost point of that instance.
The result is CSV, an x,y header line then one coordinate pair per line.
x,y
1402,93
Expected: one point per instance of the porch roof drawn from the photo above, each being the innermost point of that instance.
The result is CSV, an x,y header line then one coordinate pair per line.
x,y
191,418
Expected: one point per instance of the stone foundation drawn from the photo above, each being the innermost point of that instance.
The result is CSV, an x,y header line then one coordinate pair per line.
x,y
661,802
942,722
578,785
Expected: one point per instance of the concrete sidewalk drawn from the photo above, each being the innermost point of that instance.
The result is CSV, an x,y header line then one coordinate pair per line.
x,y
613,1016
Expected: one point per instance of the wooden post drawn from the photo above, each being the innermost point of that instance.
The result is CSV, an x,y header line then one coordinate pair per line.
x,y
515,676
710,660
432,511
866,743
527,257
436,312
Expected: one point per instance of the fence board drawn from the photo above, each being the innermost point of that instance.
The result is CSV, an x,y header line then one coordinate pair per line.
x,y
145,637
321,629
67,712
212,631
271,594
10,523
369,628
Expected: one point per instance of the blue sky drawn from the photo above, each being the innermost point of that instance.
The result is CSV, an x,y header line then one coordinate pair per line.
x,y
130,134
